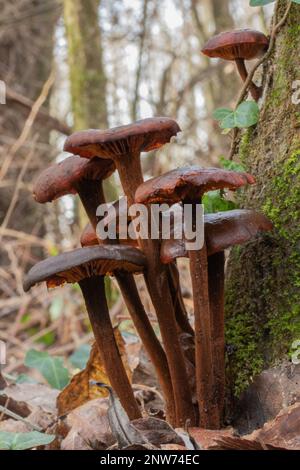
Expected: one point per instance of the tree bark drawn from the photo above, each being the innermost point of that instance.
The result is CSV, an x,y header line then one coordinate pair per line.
x,y
263,277
26,53
86,70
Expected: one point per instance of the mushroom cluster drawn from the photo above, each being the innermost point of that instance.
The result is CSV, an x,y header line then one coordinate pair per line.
x,y
96,155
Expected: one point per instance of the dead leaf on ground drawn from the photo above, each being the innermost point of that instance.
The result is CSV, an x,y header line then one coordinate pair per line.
x,y
11,425
25,398
206,438
88,427
79,390
271,391
157,431
121,426
283,431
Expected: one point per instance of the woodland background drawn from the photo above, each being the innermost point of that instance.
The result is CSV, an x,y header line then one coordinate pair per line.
x,y
75,64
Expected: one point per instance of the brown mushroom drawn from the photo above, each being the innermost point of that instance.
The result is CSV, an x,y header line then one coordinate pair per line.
x,y
222,231
123,145
75,175
120,213
140,320
239,45
188,185
88,266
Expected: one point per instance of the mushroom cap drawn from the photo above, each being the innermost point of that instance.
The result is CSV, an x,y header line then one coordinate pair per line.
x,y
222,230
140,136
83,263
88,236
62,178
244,44
189,184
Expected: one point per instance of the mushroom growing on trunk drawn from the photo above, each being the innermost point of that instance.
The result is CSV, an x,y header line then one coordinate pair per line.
x,y
239,45
123,145
88,266
188,185
222,231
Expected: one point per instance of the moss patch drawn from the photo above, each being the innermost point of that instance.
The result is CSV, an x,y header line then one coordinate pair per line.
x,y
263,277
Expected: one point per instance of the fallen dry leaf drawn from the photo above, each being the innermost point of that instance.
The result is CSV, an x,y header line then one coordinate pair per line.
x,y
26,398
80,390
283,431
11,425
157,431
88,427
271,391
206,438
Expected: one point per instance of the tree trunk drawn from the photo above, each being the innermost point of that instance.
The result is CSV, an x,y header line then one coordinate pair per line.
x,y
263,277
86,70
26,53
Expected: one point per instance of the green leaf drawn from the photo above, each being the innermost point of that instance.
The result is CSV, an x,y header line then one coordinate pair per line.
x,y
24,440
221,113
296,1
259,3
214,202
24,378
80,357
246,114
51,368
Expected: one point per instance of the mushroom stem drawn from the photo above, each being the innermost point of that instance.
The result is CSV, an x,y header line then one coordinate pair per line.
x,y
152,345
254,89
93,291
208,410
91,195
135,307
180,311
156,277
216,264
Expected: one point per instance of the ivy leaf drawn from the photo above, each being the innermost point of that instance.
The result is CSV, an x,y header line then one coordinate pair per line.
x,y
80,357
221,113
228,122
259,3
24,440
246,114
215,202
51,368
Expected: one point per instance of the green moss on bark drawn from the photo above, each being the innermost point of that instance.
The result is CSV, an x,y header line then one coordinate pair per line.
x,y
263,281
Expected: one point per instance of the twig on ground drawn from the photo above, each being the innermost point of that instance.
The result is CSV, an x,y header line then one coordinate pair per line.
x,y
13,415
28,124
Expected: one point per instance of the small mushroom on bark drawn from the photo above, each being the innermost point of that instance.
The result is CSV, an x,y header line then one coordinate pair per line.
x,y
88,266
222,231
123,145
188,185
239,45
75,175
